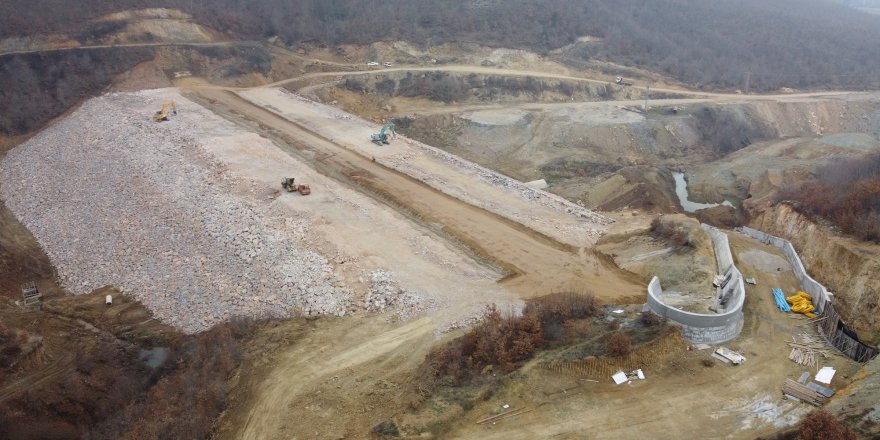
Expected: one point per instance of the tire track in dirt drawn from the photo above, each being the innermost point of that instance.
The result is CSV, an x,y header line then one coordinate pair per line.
x,y
311,360
38,378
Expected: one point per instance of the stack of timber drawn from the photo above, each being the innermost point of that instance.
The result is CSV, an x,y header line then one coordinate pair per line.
x,y
807,351
803,392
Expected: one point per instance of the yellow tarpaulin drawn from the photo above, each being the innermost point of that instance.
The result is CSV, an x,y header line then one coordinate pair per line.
x,y
801,302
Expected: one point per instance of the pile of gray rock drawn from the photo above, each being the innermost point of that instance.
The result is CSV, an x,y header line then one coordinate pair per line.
x,y
142,206
386,294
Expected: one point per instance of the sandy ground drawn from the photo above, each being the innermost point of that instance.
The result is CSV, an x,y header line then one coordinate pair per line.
x,y
461,179
534,263
725,401
299,389
697,402
686,273
682,399
338,377
765,262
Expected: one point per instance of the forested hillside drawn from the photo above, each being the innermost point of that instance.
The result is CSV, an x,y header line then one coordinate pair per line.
x,y
780,43
847,193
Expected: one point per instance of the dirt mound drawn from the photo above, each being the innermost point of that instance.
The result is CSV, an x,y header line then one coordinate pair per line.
x,y
156,25
140,14
642,188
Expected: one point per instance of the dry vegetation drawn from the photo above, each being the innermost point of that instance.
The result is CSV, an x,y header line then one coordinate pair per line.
x,y
618,344
501,344
112,394
675,232
817,425
794,43
847,193
13,343
820,425
727,130
505,342
37,87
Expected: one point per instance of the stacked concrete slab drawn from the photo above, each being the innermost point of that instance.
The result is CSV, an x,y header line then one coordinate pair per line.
x,y
708,328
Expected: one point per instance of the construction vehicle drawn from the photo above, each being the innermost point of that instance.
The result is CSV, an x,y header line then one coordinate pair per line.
x,y
302,188
382,136
622,81
162,115
288,184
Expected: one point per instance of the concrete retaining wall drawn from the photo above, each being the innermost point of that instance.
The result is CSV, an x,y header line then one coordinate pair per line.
x,y
701,327
820,294
722,248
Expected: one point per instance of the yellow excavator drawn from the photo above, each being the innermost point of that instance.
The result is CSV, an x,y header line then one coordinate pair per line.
x,y
162,115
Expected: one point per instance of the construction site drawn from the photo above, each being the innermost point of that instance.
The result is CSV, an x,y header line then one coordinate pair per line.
x,y
361,215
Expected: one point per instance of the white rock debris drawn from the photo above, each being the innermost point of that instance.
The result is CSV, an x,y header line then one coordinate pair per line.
x,y
144,208
385,293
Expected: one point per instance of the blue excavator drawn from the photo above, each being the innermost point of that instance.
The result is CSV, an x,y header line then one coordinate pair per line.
x,y
382,136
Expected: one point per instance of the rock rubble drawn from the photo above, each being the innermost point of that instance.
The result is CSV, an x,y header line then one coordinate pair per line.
x,y
386,294
143,207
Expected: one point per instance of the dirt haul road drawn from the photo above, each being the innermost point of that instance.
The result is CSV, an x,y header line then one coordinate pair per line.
x,y
468,69
359,347
535,264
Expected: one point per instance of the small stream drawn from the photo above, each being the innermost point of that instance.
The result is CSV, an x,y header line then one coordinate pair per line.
x,y
682,193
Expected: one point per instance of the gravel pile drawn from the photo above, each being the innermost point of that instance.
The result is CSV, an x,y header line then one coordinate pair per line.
x,y
385,294
141,206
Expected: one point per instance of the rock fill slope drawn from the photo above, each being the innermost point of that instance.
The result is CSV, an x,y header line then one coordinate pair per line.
x,y
142,206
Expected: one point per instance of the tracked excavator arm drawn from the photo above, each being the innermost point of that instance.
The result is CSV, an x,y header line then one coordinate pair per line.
x,y
382,136
162,115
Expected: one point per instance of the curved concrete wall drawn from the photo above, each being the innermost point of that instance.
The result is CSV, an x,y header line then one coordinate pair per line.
x,y
707,328
820,294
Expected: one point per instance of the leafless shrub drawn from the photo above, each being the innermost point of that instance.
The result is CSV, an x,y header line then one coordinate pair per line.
x,y
821,425
618,344
672,231
846,192
649,319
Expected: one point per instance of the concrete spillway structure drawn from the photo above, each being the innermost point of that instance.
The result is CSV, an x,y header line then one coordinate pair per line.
x,y
820,294
709,328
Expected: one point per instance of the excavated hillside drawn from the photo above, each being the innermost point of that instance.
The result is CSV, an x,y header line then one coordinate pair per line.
x,y
857,403
847,267
603,150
